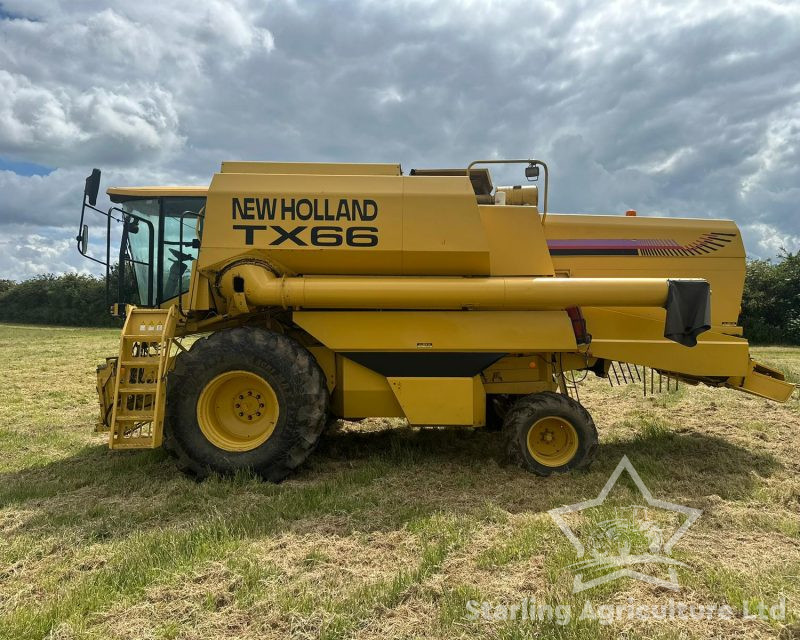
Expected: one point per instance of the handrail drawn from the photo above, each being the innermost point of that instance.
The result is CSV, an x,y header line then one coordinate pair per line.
x,y
197,215
107,263
529,161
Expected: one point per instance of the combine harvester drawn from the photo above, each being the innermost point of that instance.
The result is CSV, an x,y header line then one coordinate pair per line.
x,y
324,291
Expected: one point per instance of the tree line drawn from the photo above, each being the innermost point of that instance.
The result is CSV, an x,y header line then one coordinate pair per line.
x,y
68,300
770,306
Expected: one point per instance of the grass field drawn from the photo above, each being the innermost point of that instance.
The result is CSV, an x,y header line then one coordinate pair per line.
x,y
386,532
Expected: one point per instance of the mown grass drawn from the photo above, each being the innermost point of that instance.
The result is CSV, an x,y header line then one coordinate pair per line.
x,y
386,532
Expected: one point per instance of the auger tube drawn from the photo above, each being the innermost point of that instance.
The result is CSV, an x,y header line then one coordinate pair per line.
x,y
262,288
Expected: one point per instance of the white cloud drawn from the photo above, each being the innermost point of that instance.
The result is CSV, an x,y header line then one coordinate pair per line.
x,y
768,241
59,127
686,108
24,254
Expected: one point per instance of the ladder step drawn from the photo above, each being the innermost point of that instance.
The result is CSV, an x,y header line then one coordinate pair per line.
x,y
148,387
144,416
134,443
141,361
156,336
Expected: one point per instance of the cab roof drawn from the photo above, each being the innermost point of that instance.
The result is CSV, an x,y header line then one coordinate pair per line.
x,y
123,194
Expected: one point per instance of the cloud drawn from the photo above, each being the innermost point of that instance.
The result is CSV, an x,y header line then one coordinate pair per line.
x,y
674,109
25,253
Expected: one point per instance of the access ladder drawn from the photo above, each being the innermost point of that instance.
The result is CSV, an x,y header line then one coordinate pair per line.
x,y
137,417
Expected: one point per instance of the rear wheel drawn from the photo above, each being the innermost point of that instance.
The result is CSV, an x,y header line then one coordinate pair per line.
x,y
497,406
549,433
245,399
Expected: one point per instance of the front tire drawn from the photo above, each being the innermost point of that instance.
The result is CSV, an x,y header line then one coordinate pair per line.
x,y
549,433
245,399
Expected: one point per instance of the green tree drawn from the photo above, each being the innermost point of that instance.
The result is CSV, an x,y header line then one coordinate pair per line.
x,y
771,301
69,299
5,285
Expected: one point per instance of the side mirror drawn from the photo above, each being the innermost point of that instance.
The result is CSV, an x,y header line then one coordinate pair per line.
x,y
92,187
532,172
83,239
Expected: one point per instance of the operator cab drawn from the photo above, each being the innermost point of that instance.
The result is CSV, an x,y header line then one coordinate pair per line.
x,y
160,237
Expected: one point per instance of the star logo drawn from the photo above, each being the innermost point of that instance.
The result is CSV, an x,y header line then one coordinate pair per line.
x,y
611,549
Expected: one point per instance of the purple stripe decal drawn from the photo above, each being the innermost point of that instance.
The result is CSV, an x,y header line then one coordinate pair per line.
x,y
706,243
611,243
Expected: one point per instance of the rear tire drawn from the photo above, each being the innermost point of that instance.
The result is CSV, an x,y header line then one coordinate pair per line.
x,y
497,406
206,434
549,433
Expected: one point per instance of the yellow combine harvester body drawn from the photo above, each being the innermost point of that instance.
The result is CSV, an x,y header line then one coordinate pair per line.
x,y
352,290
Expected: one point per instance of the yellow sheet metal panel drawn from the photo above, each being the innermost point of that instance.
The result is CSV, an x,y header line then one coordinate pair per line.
x,y
641,246
442,228
520,374
362,393
494,331
157,192
198,298
327,362
314,168
517,246
640,340
305,223
763,381
441,401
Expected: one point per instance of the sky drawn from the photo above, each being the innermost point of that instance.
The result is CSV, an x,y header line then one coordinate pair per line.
x,y
679,109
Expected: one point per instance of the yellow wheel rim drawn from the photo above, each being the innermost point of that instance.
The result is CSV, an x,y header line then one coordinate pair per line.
x,y
552,441
237,411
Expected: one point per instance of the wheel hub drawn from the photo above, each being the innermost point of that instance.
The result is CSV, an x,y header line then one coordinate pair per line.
x,y
237,411
552,441
248,405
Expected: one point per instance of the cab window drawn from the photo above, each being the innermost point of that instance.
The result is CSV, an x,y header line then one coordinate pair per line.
x,y
141,232
177,253
155,258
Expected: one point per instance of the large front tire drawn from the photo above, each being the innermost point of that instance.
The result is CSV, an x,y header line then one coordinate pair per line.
x,y
549,433
245,399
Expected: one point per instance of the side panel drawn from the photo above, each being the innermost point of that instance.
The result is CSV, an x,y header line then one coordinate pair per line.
x,y
362,393
520,374
326,359
377,224
442,229
441,401
640,340
430,331
199,294
318,224
639,247
517,246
